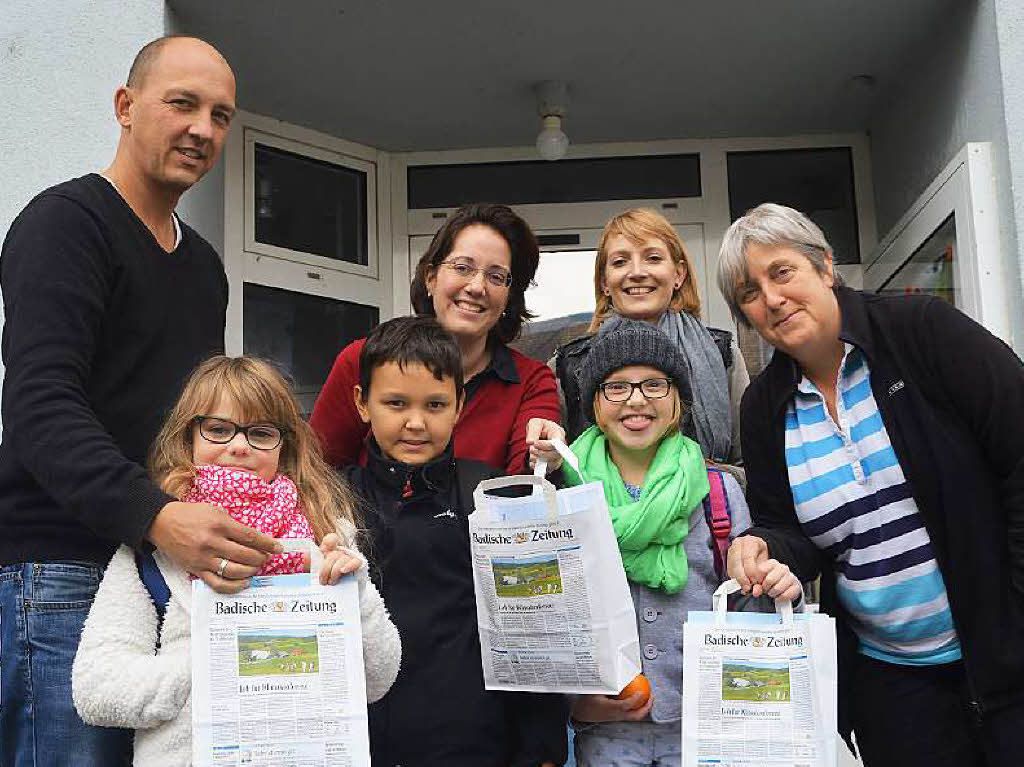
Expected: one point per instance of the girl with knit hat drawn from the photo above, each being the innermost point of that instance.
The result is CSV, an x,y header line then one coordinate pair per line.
x,y
655,481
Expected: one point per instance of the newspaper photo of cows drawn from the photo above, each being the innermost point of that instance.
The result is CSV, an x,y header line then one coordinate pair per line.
x,y
278,652
526,576
759,681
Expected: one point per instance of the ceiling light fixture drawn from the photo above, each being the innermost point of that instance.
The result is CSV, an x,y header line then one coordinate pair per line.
x,y
552,143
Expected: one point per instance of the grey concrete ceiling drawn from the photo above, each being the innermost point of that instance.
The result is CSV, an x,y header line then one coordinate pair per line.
x,y
441,74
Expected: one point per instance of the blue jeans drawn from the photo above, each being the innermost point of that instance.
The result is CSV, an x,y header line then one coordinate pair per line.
x,y
43,606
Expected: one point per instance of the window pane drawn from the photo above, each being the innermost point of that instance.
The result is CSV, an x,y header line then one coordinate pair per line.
x,y
587,180
301,333
563,285
930,269
310,206
562,297
817,182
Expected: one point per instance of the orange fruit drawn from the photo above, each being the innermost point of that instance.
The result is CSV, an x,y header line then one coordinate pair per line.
x,y
639,684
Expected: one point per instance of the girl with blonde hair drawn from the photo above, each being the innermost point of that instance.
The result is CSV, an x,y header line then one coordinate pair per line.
x,y
636,387
236,441
260,393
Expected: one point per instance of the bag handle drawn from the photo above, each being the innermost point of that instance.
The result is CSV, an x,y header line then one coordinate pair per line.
x,y
783,607
719,600
540,487
541,470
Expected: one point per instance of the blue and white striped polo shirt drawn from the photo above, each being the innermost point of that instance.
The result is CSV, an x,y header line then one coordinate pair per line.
x,y
853,501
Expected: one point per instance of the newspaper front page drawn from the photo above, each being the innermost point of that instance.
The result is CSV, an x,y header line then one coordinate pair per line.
x,y
550,602
750,694
277,675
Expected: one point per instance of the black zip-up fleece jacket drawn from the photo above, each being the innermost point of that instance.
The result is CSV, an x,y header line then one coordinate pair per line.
x,y
951,396
438,712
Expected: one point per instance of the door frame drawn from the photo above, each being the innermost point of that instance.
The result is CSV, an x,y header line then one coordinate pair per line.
x,y
711,209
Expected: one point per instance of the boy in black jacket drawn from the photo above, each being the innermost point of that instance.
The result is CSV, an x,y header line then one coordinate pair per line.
x,y
418,498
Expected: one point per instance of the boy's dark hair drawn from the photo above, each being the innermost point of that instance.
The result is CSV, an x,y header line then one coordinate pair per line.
x,y
411,340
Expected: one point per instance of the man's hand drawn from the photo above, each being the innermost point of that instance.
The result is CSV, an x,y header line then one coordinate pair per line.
x,y
198,537
539,433
746,554
603,708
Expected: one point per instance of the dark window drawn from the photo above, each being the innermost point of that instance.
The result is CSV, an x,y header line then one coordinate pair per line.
x,y
310,206
588,180
817,182
301,333
557,240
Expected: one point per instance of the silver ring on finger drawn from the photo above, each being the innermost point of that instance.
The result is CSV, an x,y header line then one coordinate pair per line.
x,y
222,568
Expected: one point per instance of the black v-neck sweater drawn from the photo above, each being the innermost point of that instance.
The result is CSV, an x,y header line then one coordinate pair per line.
x,y
102,326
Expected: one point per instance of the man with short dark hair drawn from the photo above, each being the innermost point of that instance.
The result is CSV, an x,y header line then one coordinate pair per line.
x,y
110,301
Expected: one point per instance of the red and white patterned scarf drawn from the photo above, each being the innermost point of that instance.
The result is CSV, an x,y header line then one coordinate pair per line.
x,y
270,507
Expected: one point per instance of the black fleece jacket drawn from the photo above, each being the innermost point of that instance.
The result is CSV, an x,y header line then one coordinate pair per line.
x,y
438,712
951,396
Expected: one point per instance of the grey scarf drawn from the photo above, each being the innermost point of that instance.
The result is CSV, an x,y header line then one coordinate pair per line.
x,y
709,419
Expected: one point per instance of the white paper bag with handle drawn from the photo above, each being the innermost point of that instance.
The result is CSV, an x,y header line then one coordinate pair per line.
x,y
553,605
759,688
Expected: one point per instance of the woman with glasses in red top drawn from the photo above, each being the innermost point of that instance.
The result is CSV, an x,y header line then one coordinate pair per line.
x,y
473,279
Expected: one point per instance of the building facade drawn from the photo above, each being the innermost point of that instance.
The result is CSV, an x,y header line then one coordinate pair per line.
x,y
906,163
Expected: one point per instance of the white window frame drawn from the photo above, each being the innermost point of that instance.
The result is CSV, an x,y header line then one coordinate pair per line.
x,y
965,189
252,245
711,209
246,261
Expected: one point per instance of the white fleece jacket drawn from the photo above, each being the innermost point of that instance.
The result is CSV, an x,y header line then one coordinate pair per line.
x,y
120,679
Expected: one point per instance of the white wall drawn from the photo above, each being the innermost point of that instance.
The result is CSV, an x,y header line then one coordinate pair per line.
x,y
1010,27
60,63
950,96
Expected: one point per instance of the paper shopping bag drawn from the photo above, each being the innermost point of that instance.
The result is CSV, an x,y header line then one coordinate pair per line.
x,y
759,688
553,605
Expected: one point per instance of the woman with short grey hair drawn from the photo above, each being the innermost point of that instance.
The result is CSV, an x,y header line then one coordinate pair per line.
x,y
884,450
768,224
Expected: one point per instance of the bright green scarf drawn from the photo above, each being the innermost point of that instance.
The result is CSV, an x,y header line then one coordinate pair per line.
x,y
650,531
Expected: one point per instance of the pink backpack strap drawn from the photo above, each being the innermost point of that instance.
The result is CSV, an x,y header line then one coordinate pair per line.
x,y
716,512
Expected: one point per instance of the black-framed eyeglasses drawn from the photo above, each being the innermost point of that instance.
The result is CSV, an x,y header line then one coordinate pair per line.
x,y
220,431
494,275
651,388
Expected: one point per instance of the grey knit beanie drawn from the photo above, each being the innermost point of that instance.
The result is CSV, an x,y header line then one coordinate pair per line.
x,y
631,342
